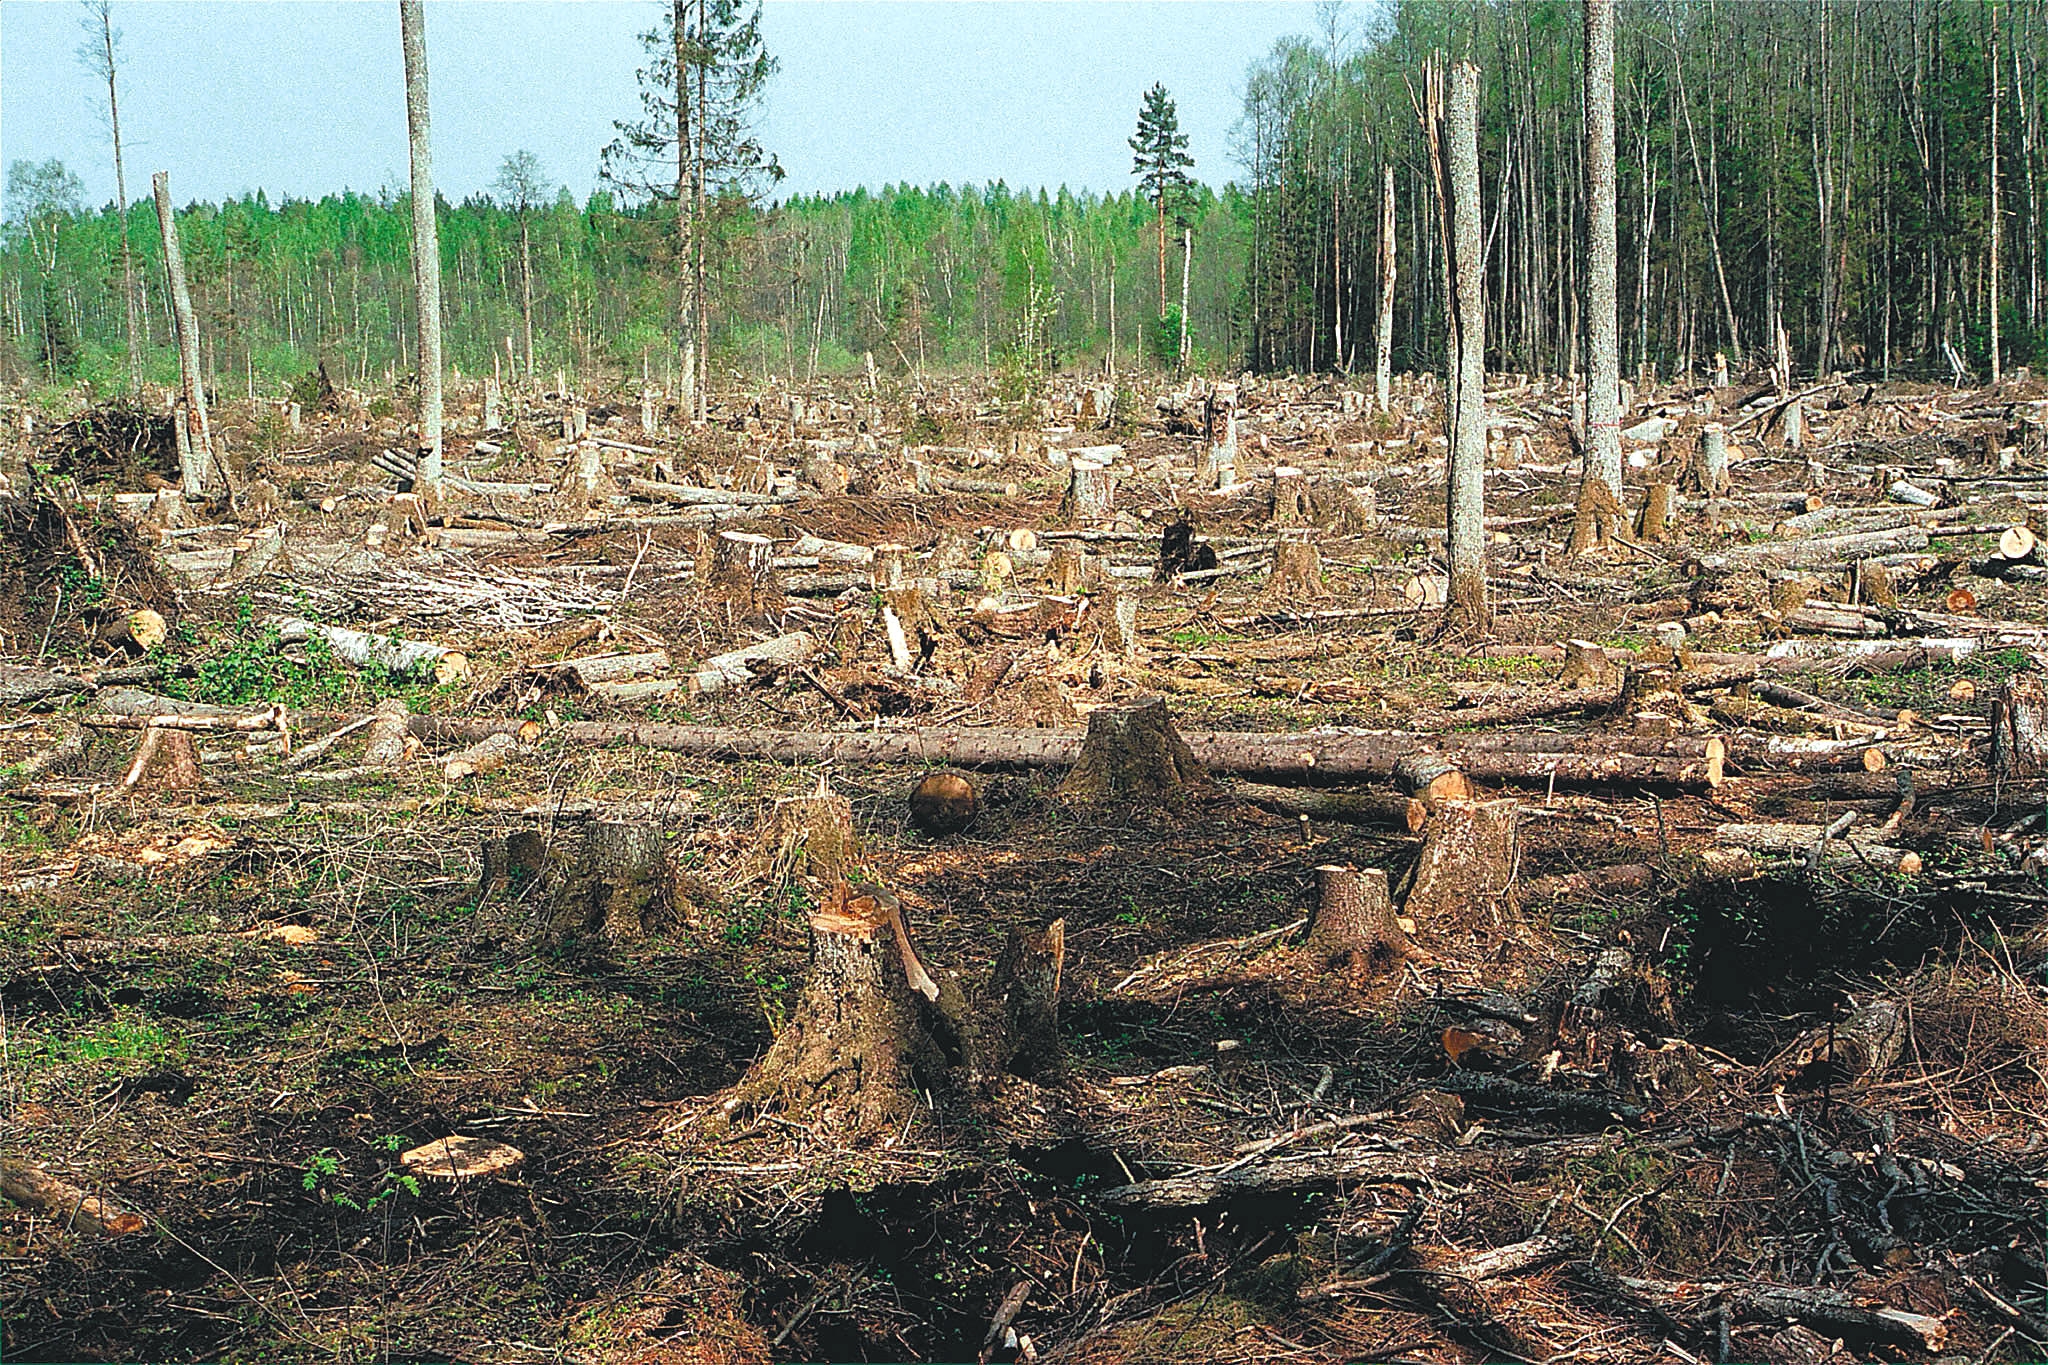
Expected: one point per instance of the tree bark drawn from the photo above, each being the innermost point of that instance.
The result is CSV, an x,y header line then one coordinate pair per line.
x,y
1355,915
1465,511
1465,874
619,883
426,241
1603,341
1383,370
1131,754
65,1203
198,470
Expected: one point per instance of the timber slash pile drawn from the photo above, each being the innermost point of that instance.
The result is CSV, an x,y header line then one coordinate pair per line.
x,y
1055,888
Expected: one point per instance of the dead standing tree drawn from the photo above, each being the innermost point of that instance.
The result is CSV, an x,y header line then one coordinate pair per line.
x,y
426,247
197,467
1466,496
99,55
1600,486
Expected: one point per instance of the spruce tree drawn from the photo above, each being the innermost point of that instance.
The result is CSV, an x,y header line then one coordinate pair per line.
x,y
1160,162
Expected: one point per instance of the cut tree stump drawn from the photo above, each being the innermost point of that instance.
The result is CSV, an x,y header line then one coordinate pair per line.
x,y
167,760
1290,497
1354,919
1586,666
1024,1000
1133,753
858,1053
741,571
1297,570
1464,877
810,836
1713,468
2019,727
520,856
1598,514
1653,520
457,1159
619,883
1091,494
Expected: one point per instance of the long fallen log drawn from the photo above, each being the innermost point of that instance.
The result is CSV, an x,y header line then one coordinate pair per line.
x,y
1834,1310
688,495
389,652
65,1203
28,686
1300,757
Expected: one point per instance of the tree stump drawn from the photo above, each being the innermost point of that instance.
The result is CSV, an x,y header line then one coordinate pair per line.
x,y
1586,666
1713,460
1290,497
1091,494
825,474
1297,570
740,571
2019,727
753,474
1599,513
619,883
1653,520
858,1051
810,836
1024,1003
1464,876
513,860
1133,753
1653,699
165,761
1795,425
1869,583
1117,614
1355,915
1066,570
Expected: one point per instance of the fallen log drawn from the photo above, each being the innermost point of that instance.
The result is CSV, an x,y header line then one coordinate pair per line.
x,y
735,667
67,1204
688,496
361,648
29,686
1834,1310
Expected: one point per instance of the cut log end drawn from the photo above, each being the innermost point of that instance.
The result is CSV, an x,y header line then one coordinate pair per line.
x,y
458,1159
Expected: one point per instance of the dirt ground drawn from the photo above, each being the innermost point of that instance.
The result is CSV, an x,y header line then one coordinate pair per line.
x,y
232,1007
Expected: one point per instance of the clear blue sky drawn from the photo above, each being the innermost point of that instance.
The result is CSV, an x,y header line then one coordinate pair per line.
x,y
306,96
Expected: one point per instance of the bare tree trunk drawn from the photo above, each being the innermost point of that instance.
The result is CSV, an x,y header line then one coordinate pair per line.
x,y
1187,253
1465,511
105,56
1996,227
701,300
679,19
526,290
1383,375
1603,342
426,242
197,469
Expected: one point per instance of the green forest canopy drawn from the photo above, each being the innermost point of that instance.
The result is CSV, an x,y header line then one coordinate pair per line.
x,y
1821,167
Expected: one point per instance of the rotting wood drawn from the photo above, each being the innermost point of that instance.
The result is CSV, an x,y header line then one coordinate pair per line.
x,y
65,1204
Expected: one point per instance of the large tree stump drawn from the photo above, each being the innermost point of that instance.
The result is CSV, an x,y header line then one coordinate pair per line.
x,y
740,571
1133,753
810,836
1713,467
1290,497
1023,1004
1355,916
2019,727
1297,570
1599,513
858,1052
619,883
1653,520
1464,876
1091,493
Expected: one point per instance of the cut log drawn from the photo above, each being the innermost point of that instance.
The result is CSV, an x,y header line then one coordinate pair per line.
x,y
604,668
690,496
1861,1046
389,652
33,686
136,632
1133,754
1464,876
2016,543
619,883
1354,919
736,667
943,804
487,755
390,740
64,1203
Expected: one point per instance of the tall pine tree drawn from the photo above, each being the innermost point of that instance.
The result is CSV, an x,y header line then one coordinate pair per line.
x,y
1160,162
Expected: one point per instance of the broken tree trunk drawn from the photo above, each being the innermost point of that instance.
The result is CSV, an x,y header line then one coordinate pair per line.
x,y
1355,916
197,469
1023,1000
1133,753
1464,877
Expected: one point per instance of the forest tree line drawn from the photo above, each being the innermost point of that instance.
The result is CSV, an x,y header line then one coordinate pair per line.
x,y
1820,168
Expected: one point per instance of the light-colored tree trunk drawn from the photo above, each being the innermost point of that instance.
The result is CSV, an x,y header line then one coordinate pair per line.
x,y
426,241
679,20
526,289
1383,373
1603,341
1996,226
1465,512
1187,254
698,286
132,302
196,469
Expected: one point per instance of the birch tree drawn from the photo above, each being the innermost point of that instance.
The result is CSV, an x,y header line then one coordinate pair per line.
x,y
1465,510
426,246
99,55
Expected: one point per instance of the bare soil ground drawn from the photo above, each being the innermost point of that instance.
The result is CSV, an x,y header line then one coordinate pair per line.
x,y
232,1006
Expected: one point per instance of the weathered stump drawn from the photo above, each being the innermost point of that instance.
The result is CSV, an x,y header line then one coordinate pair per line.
x,y
1091,494
618,884
740,571
858,1053
1653,699
1598,514
1066,569
1133,753
1022,1010
1290,497
2019,727
1713,468
1653,519
1464,876
810,836
1354,919
1297,574
512,860
1586,666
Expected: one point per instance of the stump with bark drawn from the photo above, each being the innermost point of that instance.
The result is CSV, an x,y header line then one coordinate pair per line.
x,y
1354,920
1297,571
1091,494
1290,497
1022,1005
1586,666
1464,877
861,1049
741,572
1598,514
619,883
1653,519
809,836
1132,754
2019,727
